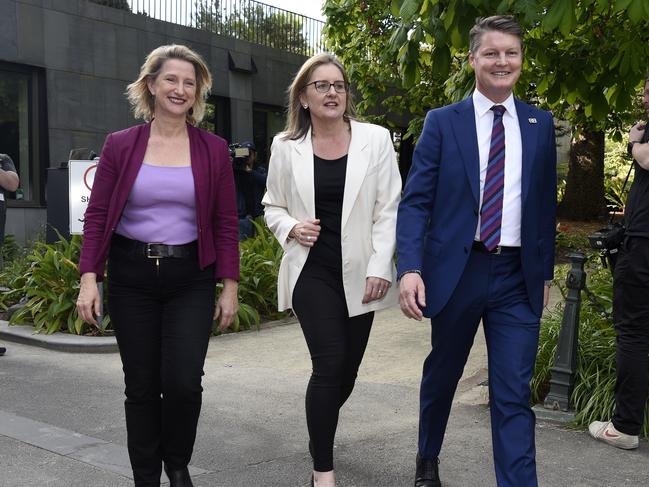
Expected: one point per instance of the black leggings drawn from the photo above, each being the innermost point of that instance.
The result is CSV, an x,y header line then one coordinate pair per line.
x,y
337,344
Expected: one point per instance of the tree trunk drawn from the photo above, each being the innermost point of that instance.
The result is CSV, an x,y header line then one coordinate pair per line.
x,y
584,197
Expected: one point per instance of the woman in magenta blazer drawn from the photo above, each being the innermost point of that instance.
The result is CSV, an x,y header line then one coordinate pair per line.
x,y
163,212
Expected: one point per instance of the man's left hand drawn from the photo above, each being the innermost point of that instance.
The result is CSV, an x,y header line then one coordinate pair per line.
x,y
546,295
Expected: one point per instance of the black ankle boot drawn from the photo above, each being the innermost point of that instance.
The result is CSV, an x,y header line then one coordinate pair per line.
x,y
179,478
427,473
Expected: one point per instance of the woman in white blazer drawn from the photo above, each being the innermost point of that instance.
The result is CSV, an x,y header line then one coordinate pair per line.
x,y
332,194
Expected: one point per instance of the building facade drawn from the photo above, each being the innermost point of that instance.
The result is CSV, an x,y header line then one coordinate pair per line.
x,y
64,68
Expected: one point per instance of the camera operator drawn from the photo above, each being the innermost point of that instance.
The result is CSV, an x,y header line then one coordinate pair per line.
x,y
250,179
631,304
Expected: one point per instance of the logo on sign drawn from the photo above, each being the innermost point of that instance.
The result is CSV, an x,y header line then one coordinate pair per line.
x,y
89,176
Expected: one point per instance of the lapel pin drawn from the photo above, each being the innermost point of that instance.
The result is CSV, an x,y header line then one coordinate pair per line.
x,y
531,120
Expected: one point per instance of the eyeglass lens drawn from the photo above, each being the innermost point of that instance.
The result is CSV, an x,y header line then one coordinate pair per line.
x,y
325,86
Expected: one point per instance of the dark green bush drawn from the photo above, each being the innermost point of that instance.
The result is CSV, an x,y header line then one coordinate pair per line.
x,y
48,277
51,285
10,249
260,257
616,168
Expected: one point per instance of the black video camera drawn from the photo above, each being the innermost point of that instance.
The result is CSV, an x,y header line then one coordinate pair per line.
x,y
243,155
239,156
608,241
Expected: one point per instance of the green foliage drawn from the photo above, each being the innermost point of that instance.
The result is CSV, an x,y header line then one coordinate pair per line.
x,y
10,249
16,265
583,58
118,4
51,286
48,276
260,257
359,33
253,23
616,167
592,396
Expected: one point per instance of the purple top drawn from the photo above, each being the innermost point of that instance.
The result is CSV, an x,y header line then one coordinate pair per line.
x,y
216,205
161,206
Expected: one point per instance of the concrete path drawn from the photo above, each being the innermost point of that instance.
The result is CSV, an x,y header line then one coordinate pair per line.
x,y
62,422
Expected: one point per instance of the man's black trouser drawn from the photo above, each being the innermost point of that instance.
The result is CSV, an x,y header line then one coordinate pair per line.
x,y
631,316
162,315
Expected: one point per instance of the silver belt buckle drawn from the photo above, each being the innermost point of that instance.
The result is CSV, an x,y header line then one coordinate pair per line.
x,y
148,251
497,250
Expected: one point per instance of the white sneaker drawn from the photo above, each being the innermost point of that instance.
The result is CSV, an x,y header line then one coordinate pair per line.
x,y
606,432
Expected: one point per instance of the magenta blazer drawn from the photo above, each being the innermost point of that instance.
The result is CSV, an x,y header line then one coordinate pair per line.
x,y
216,210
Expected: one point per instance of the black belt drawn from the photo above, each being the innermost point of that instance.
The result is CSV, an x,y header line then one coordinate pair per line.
x,y
157,250
480,247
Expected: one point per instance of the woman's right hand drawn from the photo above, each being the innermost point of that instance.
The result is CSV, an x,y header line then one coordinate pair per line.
x,y
306,233
88,302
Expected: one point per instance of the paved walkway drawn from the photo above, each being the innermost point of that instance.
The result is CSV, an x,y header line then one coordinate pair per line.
x,y
61,419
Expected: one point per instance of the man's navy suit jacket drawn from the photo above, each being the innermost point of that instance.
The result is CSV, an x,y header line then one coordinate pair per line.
x,y
438,214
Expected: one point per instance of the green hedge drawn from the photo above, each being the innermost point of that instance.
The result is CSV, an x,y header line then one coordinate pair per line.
x,y
48,278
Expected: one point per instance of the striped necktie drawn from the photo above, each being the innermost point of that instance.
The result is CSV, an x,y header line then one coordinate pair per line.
x,y
492,197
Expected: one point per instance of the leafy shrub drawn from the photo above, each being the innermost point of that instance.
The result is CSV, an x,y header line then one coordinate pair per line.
x,y
10,249
15,266
592,396
48,277
260,257
51,286
616,168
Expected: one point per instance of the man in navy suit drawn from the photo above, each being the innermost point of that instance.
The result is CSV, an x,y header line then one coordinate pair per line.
x,y
475,238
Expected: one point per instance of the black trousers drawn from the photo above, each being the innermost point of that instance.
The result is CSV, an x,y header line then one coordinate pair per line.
x,y
631,316
162,315
336,343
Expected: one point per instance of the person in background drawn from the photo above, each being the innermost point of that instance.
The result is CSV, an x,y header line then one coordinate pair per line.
x,y
9,183
162,209
250,181
631,304
332,194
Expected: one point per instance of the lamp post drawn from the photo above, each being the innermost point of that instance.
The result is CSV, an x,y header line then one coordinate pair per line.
x,y
562,376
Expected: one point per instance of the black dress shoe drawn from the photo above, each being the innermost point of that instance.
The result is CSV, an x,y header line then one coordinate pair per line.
x,y
179,478
427,473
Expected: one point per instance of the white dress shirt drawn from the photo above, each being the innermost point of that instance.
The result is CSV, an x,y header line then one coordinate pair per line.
x,y
510,232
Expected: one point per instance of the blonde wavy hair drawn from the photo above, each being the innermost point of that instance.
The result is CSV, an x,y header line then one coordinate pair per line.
x,y
298,120
141,99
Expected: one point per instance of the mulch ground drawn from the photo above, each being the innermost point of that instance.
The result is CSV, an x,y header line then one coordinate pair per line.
x,y
573,236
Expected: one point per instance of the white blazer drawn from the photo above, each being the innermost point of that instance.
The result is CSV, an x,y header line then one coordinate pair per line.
x,y
369,212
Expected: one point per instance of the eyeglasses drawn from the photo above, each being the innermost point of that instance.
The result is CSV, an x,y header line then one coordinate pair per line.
x,y
325,86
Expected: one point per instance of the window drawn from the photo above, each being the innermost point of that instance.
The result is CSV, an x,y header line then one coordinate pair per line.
x,y
217,116
20,126
267,121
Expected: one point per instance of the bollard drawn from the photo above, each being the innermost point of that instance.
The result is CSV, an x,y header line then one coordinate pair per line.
x,y
562,376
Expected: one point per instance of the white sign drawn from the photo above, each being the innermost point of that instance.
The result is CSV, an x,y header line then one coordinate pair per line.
x,y
81,176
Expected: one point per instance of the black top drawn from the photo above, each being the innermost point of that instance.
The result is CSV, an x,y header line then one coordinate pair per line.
x,y
636,211
329,185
